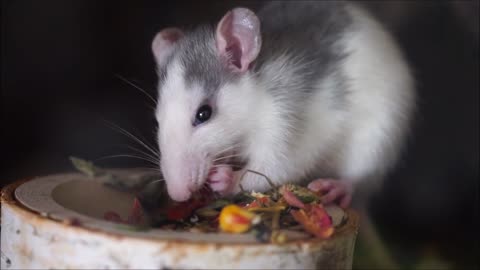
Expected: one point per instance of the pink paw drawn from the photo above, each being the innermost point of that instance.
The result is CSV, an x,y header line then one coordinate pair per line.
x,y
333,191
220,179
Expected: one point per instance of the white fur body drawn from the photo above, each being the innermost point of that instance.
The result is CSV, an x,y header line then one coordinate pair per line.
x,y
359,142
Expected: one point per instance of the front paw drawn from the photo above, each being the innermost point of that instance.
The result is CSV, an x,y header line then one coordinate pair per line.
x,y
221,180
333,191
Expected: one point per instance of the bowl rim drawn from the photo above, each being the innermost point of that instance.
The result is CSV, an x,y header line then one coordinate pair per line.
x,y
8,199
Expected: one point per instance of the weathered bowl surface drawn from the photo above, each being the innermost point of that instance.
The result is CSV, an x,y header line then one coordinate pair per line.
x,y
37,232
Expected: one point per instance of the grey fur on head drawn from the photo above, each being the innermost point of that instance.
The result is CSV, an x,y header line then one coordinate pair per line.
x,y
308,46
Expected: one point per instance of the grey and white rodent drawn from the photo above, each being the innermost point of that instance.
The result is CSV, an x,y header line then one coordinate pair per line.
x,y
300,91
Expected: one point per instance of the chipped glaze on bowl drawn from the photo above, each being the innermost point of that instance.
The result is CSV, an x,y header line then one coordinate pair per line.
x,y
56,222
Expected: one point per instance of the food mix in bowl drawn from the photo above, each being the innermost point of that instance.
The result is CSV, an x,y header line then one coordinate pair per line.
x,y
268,216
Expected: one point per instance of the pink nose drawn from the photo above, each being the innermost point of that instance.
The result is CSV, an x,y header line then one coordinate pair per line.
x,y
180,172
179,193
192,187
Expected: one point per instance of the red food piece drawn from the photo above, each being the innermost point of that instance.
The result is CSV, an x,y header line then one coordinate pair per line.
x,y
112,216
253,204
258,202
215,222
136,213
175,212
238,219
183,210
134,218
179,211
291,199
315,220
72,222
205,195
265,201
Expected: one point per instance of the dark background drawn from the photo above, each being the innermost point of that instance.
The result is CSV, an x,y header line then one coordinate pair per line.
x,y
59,60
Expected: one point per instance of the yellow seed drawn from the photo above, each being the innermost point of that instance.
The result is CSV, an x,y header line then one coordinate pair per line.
x,y
278,237
234,219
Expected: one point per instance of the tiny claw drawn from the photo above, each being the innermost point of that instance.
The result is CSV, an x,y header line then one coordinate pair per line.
x,y
345,202
320,185
334,191
220,179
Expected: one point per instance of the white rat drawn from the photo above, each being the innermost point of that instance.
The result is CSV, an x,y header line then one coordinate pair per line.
x,y
303,92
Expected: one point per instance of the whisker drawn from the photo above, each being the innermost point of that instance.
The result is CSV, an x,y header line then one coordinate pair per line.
x,y
152,146
151,108
260,174
144,153
155,133
136,86
150,169
223,165
226,157
130,156
159,180
133,137
227,149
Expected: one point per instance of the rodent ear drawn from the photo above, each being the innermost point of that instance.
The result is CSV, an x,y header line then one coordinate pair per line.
x,y
164,42
238,38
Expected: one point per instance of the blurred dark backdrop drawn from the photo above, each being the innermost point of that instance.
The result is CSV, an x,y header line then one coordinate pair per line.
x,y
59,90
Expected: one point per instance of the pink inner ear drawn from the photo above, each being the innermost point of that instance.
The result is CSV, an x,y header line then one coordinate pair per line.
x,y
238,38
171,34
163,43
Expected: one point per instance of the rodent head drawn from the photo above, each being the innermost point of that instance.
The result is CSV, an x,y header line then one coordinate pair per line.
x,y
206,93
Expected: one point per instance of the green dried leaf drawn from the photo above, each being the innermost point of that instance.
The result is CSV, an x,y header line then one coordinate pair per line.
x,y
217,204
85,167
303,194
243,197
207,212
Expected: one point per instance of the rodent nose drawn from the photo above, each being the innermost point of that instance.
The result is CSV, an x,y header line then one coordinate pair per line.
x,y
178,193
191,187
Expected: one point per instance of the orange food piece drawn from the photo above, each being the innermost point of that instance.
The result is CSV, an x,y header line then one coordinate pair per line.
x,y
234,219
315,220
291,199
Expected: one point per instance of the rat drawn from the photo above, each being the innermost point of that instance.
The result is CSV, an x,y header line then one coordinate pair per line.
x,y
315,93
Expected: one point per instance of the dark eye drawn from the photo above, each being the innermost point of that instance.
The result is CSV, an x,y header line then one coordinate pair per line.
x,y
203,114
